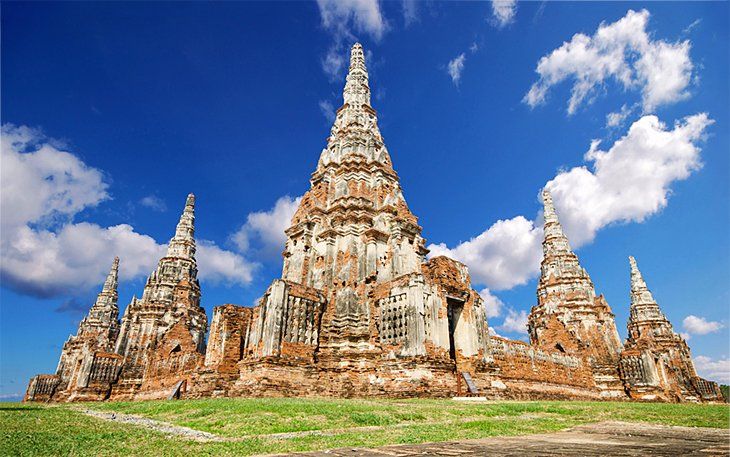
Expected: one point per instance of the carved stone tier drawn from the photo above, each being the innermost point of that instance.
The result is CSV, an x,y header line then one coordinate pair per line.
x,y
569,316
656,363
171,298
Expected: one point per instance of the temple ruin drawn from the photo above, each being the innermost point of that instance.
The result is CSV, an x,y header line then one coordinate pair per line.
x,y
360,310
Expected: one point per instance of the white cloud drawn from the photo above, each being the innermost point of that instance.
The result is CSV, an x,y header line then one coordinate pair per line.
x,y
695,325
344,18
503,256
515,322
631,180
334,61
154,203
340,16
686,336
455,67
328,110
714,370
220,266
45,185
503,12
267,228
410,11
492,304
44,253
691,27
473,48
622,51
616,119
627,183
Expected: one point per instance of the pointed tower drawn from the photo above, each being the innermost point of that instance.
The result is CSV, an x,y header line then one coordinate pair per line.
x,y
656,363
568,315
97,331
355,283
646,320
171,294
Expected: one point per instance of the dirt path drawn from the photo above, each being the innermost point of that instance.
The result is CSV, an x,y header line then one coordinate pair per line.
x,y
163,427
171,429
599,440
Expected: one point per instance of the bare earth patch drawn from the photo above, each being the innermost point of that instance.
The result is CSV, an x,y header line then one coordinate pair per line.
x,y
601,439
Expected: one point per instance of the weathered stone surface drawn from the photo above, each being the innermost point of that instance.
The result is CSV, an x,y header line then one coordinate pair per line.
x,y
656,363
360,311
86,368
569,317
171,300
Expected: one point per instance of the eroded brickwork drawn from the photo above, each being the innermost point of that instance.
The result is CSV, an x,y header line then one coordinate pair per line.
x,y
360,311
656,363
171,299
569,316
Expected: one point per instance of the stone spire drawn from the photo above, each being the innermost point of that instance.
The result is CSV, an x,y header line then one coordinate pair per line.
x,y
656,362
353,225
171,294
97,331
357,89
646,319
183,243
105,311
555,242
112,279
355,134
569,315
640,294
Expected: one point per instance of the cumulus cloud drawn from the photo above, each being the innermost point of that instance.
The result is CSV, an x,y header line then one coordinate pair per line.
x,y
154,203
628,182
492,304
503,12
44,253
455,67
514,322
266,229
631,180
695,325
217,265
623,52
503,256
41,183
717,370
344,18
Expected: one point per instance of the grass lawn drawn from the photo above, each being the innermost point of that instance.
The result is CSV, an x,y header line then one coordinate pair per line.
x,y
64,430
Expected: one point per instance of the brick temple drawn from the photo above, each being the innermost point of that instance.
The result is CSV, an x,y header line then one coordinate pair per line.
x,y
361,311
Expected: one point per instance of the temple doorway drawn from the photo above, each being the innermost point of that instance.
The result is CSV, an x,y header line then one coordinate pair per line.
x,y
454,308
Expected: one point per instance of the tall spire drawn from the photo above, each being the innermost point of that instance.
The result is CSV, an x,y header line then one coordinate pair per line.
x,y
555,240
645,316
640,293
357,89
107,299
112,278
104,313
183,243
355,134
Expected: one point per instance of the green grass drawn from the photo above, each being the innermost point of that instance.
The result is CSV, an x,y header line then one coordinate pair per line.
x,y
64,430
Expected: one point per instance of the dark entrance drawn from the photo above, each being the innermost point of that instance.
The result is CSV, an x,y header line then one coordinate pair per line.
x,y
454,308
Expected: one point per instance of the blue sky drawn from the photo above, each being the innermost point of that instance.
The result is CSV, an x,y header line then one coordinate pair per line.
x,y
112,113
